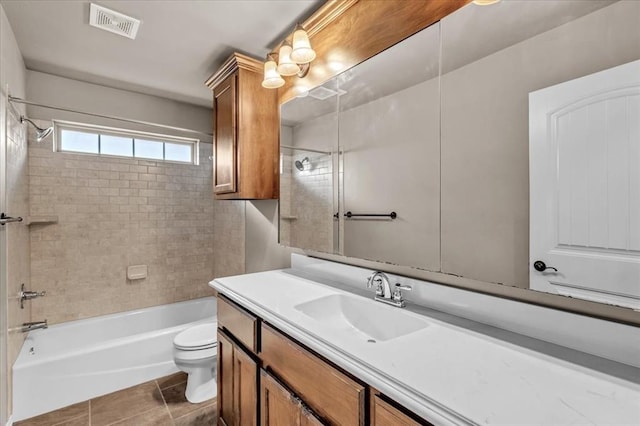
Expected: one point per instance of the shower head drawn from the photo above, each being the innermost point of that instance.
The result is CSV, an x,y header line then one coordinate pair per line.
x,y
40,132
300,164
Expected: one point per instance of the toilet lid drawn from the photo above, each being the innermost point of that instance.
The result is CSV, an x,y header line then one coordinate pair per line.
x,y
198,336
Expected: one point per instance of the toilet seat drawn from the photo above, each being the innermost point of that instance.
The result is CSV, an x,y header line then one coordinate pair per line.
x,y
198,337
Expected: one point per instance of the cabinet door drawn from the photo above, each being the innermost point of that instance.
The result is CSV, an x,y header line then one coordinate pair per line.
x,y
337,398
384,414
237,385
225,140
278,406
245,389
225,380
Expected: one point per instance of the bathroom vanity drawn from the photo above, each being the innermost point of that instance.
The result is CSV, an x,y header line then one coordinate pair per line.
x,y
309,345
264,373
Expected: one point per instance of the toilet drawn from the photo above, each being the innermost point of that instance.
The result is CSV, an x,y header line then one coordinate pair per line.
x,y
195,351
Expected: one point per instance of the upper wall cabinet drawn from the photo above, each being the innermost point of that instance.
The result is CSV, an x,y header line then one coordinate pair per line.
x,y
245,128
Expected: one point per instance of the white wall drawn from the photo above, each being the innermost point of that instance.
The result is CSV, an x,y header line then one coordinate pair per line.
x,y
12,172
262,252
77,95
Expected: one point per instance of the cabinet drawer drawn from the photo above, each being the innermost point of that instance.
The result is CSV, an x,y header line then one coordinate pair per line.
x,y
385,412
334,396
238,322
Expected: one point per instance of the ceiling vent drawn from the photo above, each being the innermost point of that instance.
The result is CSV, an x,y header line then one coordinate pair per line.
x,y
112,21
321,93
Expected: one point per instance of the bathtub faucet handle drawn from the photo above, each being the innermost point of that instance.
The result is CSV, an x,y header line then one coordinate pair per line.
x,y
28,295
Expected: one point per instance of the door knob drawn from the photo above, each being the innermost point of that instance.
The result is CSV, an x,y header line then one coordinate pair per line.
x,y
539,265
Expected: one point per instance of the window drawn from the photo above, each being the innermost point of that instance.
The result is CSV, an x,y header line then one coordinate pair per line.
x,y
99,140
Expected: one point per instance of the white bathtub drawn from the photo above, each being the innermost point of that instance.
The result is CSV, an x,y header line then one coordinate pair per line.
x,y
79,360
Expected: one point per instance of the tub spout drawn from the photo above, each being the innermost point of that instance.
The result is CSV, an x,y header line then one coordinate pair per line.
x,y
28,326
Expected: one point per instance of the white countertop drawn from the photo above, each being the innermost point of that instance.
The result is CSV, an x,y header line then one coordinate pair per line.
x,y
445,373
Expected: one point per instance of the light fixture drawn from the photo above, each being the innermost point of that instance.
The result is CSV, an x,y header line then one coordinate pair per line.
x,y
302,52
272,80
286,66
293,59
485,2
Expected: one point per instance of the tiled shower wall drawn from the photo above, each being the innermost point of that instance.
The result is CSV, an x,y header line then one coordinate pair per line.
x,y
113,213
17,235
312,202
307,196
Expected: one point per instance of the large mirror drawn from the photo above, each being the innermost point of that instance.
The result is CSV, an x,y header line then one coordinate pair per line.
x,y
536,118
501,136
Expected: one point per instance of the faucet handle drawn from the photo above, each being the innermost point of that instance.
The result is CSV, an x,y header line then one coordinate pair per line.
x,y
397,294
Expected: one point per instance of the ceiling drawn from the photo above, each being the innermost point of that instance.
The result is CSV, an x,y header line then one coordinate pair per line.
x,y
178,46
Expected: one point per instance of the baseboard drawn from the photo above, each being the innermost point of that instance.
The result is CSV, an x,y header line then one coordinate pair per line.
x,y
10,421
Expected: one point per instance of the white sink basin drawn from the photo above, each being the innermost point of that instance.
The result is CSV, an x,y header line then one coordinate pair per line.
x,y
361,318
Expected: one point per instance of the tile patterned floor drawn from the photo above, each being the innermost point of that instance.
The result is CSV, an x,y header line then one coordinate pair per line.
x,y
159,402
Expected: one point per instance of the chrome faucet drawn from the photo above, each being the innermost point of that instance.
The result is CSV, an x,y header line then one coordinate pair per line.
x,y
382,284
383,290
28,326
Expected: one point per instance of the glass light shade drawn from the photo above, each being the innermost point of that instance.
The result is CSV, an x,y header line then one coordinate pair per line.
x,y
302,52
286,66
485,2
272,79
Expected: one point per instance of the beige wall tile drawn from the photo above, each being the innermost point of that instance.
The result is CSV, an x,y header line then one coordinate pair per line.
x,y
109,218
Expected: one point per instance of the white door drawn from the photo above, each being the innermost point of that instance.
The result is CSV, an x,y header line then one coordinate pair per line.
x,y
584,160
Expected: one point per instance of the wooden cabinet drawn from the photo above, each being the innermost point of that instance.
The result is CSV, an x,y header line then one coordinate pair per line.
x,y
383,413
279,406
224,147
240,323
237,384
246,132
339,399
267,378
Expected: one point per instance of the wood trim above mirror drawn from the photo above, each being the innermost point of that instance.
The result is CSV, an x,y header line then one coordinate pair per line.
x,y
347,32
